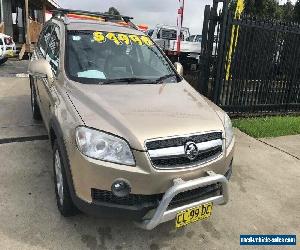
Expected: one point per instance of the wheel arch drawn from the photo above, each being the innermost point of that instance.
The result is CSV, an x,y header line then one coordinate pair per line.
x,y
56,134
55,131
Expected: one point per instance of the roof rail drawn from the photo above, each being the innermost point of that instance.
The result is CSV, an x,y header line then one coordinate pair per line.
x,y
63,13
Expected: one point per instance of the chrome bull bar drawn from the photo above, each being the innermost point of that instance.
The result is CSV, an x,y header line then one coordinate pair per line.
x,y
162,214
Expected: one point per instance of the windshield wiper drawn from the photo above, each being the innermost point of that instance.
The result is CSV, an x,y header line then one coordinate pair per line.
x,y
125,80
161,79
137,80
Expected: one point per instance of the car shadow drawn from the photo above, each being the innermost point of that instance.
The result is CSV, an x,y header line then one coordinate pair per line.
x,y
29,216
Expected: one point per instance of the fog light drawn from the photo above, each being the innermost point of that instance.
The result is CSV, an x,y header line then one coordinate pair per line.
x,y
120,188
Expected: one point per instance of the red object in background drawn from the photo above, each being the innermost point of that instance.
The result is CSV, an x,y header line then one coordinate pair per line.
x,y
48,15
84,17
172,53
179,24
143,27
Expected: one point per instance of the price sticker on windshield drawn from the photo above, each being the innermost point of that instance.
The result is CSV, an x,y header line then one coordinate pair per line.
x,y
122,39
99,37
112,37
146,40
136,39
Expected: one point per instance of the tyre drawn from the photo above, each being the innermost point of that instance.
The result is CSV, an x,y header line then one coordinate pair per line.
x,y
63,198
36,113
3,60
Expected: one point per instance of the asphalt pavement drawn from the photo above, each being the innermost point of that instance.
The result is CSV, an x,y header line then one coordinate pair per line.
x,y
264,194
14,67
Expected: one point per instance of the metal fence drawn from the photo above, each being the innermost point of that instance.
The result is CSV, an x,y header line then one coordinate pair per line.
x,y
257,67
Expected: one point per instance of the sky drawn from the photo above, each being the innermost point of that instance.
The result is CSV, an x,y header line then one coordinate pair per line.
x,y
150,12
284,1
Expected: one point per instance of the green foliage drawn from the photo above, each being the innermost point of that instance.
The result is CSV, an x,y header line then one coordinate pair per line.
x,y
271,9
288,12
269,126
113,11
297,12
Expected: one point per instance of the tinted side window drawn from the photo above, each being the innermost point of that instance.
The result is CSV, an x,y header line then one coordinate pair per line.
x,y
199,38
190,39
52,54
43,40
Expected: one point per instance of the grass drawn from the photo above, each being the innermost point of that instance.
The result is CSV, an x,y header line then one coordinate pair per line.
x,y
273,126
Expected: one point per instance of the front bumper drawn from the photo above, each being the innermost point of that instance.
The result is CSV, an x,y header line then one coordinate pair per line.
x,y
148,215
88,174
163,214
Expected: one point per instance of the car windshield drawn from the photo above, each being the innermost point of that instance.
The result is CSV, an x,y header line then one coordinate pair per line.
x,y
110,58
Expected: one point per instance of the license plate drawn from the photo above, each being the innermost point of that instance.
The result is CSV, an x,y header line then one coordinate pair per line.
x,y
193,215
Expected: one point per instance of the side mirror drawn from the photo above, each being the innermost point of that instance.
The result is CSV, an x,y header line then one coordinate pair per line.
x,y
179,68
41,68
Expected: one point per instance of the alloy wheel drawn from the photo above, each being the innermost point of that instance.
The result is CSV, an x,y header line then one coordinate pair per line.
x,y
59,177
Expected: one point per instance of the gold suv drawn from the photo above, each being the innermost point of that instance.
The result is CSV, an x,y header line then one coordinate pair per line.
x,y
130,136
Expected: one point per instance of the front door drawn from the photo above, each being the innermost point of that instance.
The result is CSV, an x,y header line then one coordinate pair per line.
x,y
47,87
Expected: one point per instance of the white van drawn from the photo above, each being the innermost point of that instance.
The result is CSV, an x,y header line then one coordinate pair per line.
x,y
7,47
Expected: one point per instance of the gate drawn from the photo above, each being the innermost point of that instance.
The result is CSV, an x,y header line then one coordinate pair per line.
x,y
256,69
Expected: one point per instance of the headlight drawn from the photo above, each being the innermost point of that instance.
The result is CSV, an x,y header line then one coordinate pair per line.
x,y
228,130
103,146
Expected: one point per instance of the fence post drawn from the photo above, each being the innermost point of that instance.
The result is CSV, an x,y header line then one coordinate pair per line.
x,y
202,86
221,54
291,85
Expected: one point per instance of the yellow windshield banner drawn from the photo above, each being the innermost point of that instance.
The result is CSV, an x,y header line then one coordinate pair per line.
x,y
99,37
120,38
234,37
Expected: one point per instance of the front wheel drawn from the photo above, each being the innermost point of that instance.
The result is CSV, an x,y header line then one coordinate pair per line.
x,y
64,202
36,113
3,60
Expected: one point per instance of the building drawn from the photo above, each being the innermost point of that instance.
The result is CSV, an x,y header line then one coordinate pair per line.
x,y
13,14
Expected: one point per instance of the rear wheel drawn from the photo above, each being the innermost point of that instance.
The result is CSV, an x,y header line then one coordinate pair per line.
x,y
34,105
64,202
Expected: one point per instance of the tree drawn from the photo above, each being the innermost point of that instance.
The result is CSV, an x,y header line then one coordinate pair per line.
x,y
297,12
113,11
269,9
288,11
263,8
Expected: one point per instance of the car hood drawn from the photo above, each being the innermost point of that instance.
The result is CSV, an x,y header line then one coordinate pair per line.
x,y
138,112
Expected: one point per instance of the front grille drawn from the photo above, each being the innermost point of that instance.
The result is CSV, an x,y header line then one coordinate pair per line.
x,y
179,141
130,200
169,153
183,160
152,201
195,195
